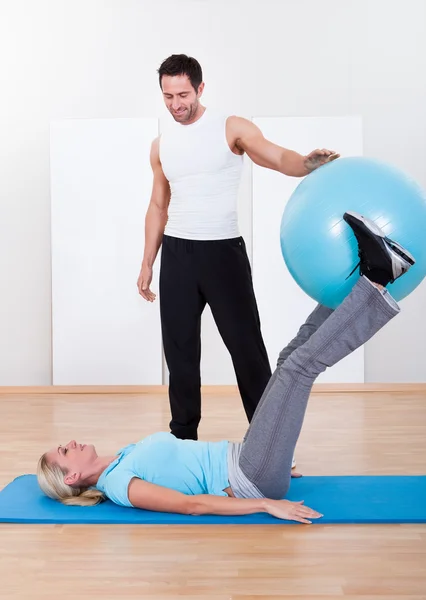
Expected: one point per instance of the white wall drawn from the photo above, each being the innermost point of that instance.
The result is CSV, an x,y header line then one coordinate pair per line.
x,y
97,59
101,181
25,339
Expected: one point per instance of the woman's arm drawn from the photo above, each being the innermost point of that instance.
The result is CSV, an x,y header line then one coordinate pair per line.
x,y
149,496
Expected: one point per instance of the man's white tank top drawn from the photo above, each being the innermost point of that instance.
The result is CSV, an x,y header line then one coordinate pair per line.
x,y
204,176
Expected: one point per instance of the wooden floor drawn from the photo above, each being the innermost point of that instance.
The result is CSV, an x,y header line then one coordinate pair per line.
x,y
369,433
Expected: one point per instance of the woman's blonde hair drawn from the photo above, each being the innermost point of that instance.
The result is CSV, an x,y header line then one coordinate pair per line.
x,y
51,481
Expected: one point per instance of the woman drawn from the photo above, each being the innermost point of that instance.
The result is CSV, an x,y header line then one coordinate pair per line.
x,y
163,473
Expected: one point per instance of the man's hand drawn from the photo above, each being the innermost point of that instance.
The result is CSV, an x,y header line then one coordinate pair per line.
x,y
317,158
144,281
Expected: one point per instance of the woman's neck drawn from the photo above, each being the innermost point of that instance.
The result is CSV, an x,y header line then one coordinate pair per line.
x,y
101,463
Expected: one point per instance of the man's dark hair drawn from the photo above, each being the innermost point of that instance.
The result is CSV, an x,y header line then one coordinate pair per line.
x,y
181,64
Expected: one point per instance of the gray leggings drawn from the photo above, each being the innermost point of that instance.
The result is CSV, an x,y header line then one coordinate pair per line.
x,y
326,338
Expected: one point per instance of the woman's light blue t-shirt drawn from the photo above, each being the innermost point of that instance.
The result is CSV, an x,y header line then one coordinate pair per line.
x,y
187,466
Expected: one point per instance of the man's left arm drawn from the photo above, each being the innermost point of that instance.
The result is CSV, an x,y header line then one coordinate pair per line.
x,y
248,138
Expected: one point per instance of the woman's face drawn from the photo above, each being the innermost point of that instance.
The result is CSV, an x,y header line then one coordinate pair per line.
x,y
75,459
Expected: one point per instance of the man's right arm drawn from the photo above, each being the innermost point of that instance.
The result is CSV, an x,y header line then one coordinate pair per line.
x,y
155,222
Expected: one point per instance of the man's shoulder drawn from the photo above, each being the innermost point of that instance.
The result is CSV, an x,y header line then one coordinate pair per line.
x,y
237,121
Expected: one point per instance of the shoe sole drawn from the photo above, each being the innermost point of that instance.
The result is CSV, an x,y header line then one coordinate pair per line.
x,y
403,262
371,225
399,255
399,250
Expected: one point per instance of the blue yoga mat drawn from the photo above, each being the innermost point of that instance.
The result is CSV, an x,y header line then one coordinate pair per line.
x,y
347,499
344,499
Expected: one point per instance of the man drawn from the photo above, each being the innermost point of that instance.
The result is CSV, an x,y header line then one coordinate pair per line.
x,y
193,214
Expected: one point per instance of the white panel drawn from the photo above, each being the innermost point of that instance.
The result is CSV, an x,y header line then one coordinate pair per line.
x,y
104,333
283,306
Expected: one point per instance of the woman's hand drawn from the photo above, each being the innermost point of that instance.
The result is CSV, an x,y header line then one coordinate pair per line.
x,y
291,511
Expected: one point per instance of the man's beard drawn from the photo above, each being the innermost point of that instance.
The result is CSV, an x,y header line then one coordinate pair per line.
x,y
187,114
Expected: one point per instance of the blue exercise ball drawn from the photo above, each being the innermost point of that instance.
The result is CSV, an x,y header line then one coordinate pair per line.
x,y
318,246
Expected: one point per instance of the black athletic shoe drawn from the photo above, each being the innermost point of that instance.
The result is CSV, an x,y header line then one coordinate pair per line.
x,y
381,259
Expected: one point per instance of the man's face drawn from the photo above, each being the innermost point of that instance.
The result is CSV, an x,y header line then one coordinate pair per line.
x,y
180,97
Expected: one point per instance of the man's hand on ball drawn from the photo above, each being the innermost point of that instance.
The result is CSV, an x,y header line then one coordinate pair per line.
x,y
319,157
